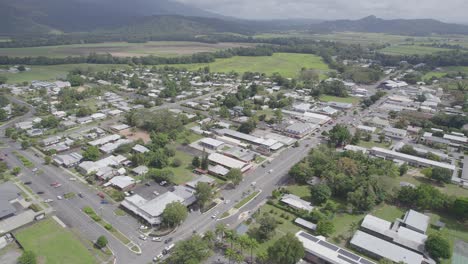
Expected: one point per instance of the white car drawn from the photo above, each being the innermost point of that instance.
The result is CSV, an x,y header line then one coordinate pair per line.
x,y
48,200
156,193
158,257
143,237
270,171
59,197
143,227
72,179
156,239
34,170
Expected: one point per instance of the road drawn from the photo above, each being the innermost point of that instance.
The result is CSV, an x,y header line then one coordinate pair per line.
x,y
70,210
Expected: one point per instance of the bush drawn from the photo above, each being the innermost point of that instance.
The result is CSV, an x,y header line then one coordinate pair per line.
x,y
176,163
35,207
88,210
101,242
96,217
108,226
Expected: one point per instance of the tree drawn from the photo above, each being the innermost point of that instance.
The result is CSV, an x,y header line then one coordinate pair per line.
x,y
91,153
101,242
224,112
28,257
267,227
320,193
21,68
204,162
381,137
403,169
339,135
25,144
248,126
278,116
251,245
438,247
460,207
235,176
286,250
160,175
9,131
174,214
441,175
220,230
16,170
325,228
3,80
196,162
300,172
204,193
75,80
47,160
191,251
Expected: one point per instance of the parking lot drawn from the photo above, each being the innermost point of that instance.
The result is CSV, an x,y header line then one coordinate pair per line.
x,y
148,192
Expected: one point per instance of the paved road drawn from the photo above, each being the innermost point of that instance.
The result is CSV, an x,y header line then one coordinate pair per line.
x,y
69,210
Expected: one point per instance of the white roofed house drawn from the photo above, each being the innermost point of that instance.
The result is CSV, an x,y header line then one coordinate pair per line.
x,y
296,202
123,183
392,132
140,149
68,160
211,143
228,162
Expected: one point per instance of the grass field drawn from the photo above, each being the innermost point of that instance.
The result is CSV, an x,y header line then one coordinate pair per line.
x,y
183,173
328,98
53,244
45,73
121,49
287,64
410,50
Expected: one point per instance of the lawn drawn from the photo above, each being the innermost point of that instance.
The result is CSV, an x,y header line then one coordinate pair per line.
x,y
53,244
410,50
372,143
246,200
183,173
329,98
287,64
46,73
450,189
302,191
121,49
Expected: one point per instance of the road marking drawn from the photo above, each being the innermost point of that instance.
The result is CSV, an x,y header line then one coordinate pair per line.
x,y
59,221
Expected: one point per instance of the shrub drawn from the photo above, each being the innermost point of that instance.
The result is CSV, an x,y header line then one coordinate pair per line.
x,y
96,217
108,226
88,210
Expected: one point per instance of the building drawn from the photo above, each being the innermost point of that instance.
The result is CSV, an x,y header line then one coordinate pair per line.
x,y
412,160
319,251
140,170
416,221
377,122
112,146
340,105
123,183
87,167
367,129
379,248
456,139
299,130
140,149
150,210
51,140
306,224
203,178
242,154
68,160
296,202
392,132
104,140
240,136
9,193
355,148
228,163
210,143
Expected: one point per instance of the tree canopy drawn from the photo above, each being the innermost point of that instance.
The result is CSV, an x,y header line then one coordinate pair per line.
x,y
174,214
286,250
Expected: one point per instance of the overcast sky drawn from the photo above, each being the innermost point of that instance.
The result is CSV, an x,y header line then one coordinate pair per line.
x,y
445,10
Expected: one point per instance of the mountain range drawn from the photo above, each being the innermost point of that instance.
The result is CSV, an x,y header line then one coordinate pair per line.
x,y
140,17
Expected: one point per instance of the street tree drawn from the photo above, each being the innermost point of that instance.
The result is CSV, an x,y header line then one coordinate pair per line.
x,y
174,214
235,176
47,160
204,193
101,242
193,250
286,250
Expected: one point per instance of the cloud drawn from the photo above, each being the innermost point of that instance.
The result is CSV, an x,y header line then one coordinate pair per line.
x,y
447,10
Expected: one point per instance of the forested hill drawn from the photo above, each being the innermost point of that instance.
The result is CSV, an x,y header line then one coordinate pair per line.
x,y
25,16
372,24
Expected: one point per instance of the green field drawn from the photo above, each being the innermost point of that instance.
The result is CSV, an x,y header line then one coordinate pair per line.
x,y
45,73
329,98
121,49
410,50
287,64
53,244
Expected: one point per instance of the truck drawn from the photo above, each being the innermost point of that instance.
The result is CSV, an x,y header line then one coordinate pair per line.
x,y
168,249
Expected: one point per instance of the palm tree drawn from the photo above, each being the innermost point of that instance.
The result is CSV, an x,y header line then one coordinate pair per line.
x,y
252,244
230,254
243,241
209,237
232,237
221,230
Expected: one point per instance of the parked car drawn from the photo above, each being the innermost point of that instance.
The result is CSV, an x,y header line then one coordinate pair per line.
x,y
167,241
59,197
34,170
101,195
143,237
27,182
48,200
80,195
156,239
143,227
147,184
40,192
163,183
158,257
156,193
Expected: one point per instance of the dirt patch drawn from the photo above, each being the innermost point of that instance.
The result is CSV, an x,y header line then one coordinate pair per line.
x,y
135,134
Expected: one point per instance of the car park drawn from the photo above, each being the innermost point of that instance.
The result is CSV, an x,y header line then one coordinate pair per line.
x,y
143,237
156,239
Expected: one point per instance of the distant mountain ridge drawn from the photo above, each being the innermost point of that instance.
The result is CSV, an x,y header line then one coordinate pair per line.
x,y
372,24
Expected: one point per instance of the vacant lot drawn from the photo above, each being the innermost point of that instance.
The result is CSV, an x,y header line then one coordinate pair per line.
x,y
410,50
45,73
53,244
121,49
329,98
287,64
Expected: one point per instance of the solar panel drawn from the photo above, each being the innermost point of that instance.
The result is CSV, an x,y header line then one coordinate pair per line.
x,y
349,254
308,236
365,261
347,259
328,245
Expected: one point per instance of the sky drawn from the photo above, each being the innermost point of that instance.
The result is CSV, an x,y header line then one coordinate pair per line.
x,y
444,10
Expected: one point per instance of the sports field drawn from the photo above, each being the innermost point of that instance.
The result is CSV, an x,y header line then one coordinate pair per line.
x,y
53,72
121,49
287,64
410,50
53,244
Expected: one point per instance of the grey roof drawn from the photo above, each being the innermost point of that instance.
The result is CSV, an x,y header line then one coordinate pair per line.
x,y
305,223
8,192
416,220
188,194
384,248
465,168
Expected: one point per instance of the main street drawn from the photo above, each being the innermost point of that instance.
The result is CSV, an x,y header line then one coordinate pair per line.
x,y
267,179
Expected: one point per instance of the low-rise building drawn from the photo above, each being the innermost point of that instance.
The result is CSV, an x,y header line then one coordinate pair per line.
x,y
140,149
68,160
210,143
140,170
228,163
123,183
392,132
300,130
296,202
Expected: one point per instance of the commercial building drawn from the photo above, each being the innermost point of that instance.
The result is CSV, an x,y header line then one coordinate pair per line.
x,y
412,160
228,163
68,160
210,143
392,132
300,130
319,251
